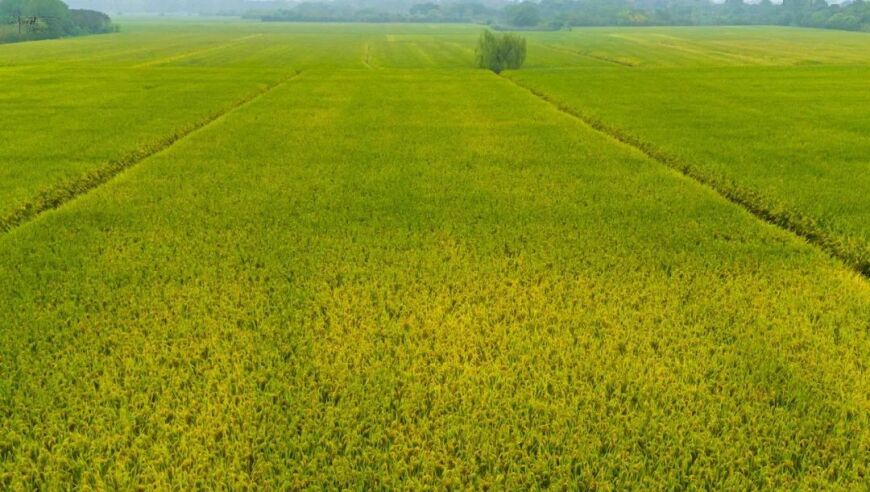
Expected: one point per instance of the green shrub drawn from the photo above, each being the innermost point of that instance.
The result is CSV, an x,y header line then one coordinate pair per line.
x,y
499,52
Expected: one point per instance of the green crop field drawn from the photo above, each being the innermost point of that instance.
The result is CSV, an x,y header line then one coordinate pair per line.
x,y
783,127
294,256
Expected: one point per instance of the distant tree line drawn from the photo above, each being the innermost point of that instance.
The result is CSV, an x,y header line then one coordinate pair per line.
x,y
854,16
517,14
339,11
24,20
559,14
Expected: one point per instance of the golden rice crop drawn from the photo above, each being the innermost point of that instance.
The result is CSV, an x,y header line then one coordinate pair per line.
x,y
417,278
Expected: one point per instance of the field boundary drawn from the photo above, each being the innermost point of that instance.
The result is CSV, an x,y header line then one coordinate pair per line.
x,y
66,191
586,54
191,54
367,57
851,251
607,59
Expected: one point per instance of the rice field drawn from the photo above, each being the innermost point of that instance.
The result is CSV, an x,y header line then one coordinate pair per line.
x,y
290,256
792,142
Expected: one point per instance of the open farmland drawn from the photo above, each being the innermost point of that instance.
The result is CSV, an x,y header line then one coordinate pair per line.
x,y
784,129
361,263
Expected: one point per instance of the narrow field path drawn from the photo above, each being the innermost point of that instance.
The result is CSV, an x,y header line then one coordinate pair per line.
x,y
64,192
591,56
780,215
190,54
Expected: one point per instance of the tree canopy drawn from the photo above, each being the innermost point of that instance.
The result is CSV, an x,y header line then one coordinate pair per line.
x,y
45,19
555,14
499,52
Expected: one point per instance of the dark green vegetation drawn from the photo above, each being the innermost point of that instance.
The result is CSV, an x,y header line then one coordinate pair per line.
x,y
559,14
554,14
499,52
396,271
27,20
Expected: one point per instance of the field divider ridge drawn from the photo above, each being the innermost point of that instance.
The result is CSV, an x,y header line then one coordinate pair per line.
x,y
853,252
366,60
586,54
71,188
608,59
190,54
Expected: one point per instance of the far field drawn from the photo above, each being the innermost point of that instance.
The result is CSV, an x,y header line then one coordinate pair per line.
x,y
340,256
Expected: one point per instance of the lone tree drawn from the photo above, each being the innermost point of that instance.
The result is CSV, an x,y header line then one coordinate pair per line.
x,y
499,52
